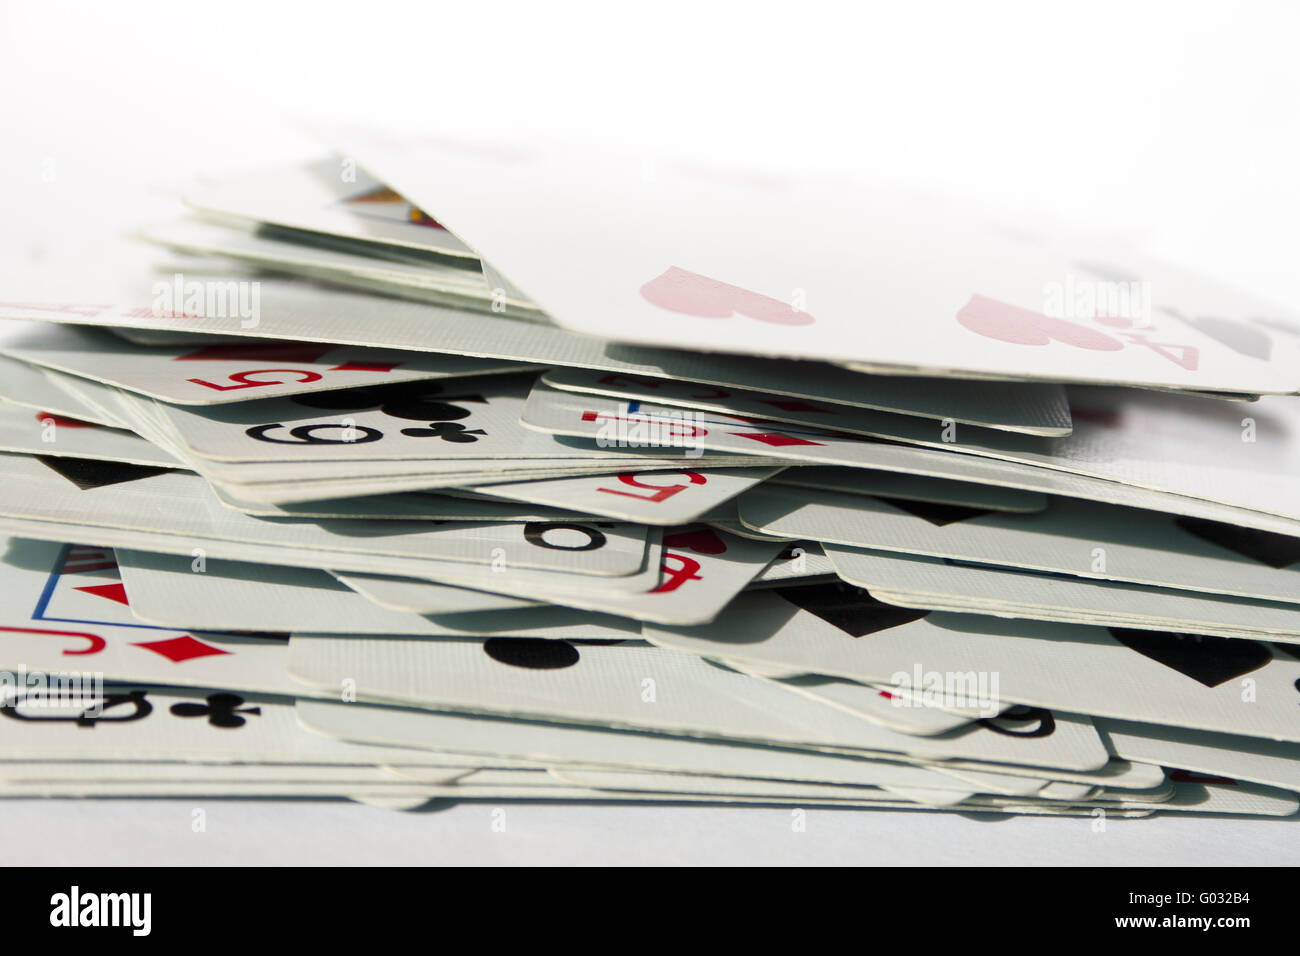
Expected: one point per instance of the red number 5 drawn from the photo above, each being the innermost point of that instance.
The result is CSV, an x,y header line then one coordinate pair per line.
x,y
245,380
661,492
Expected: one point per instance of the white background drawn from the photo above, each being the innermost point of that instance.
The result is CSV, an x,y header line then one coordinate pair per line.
x,y
1171,127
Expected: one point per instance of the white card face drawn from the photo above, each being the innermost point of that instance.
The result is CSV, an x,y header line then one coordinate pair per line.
x,y
866,414
30,387
297,472
608,686
408,506
133,722
803,559
1206,448
297,254
329,196
1079,538
258,480
41,433
639,781
923,289
611,422
703,569
253,497
569,744
426,597
233,596
265,245
162,585
134,497
913,581
679,788
305,312
474,418
360,565
67,612
1191,795
1152,477
268,246
158,773
216,374
873,703
1181,680
700,570
862,481
659,498
369,786
1270,762
771,407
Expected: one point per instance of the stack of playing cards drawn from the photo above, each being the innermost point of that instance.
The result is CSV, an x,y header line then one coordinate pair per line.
x,y
503,471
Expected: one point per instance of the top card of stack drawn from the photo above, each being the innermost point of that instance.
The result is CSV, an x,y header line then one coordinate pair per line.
x,y
650,252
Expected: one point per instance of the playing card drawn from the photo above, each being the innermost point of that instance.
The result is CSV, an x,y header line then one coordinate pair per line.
x,y
701,569
233,596
885,484
376,787
925,288
44,433
260,497
943,585
159,773
29,386
223,373
404,506
1208,683
474,418
874,703
298,254
118,496
68,614
637,687
1192,794
608,421
802,560
332,196
307,313
660,498
865,416
938,431
726,518
728,788
602,418
1198,447
489,738
1269,762
281,480
139,722
1188,445
1085,539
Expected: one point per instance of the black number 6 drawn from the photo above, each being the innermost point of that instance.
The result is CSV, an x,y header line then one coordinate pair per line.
x,y
535,533
304,434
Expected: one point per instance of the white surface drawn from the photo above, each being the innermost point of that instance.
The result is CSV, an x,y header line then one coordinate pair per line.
x,y
108,832
1169,127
